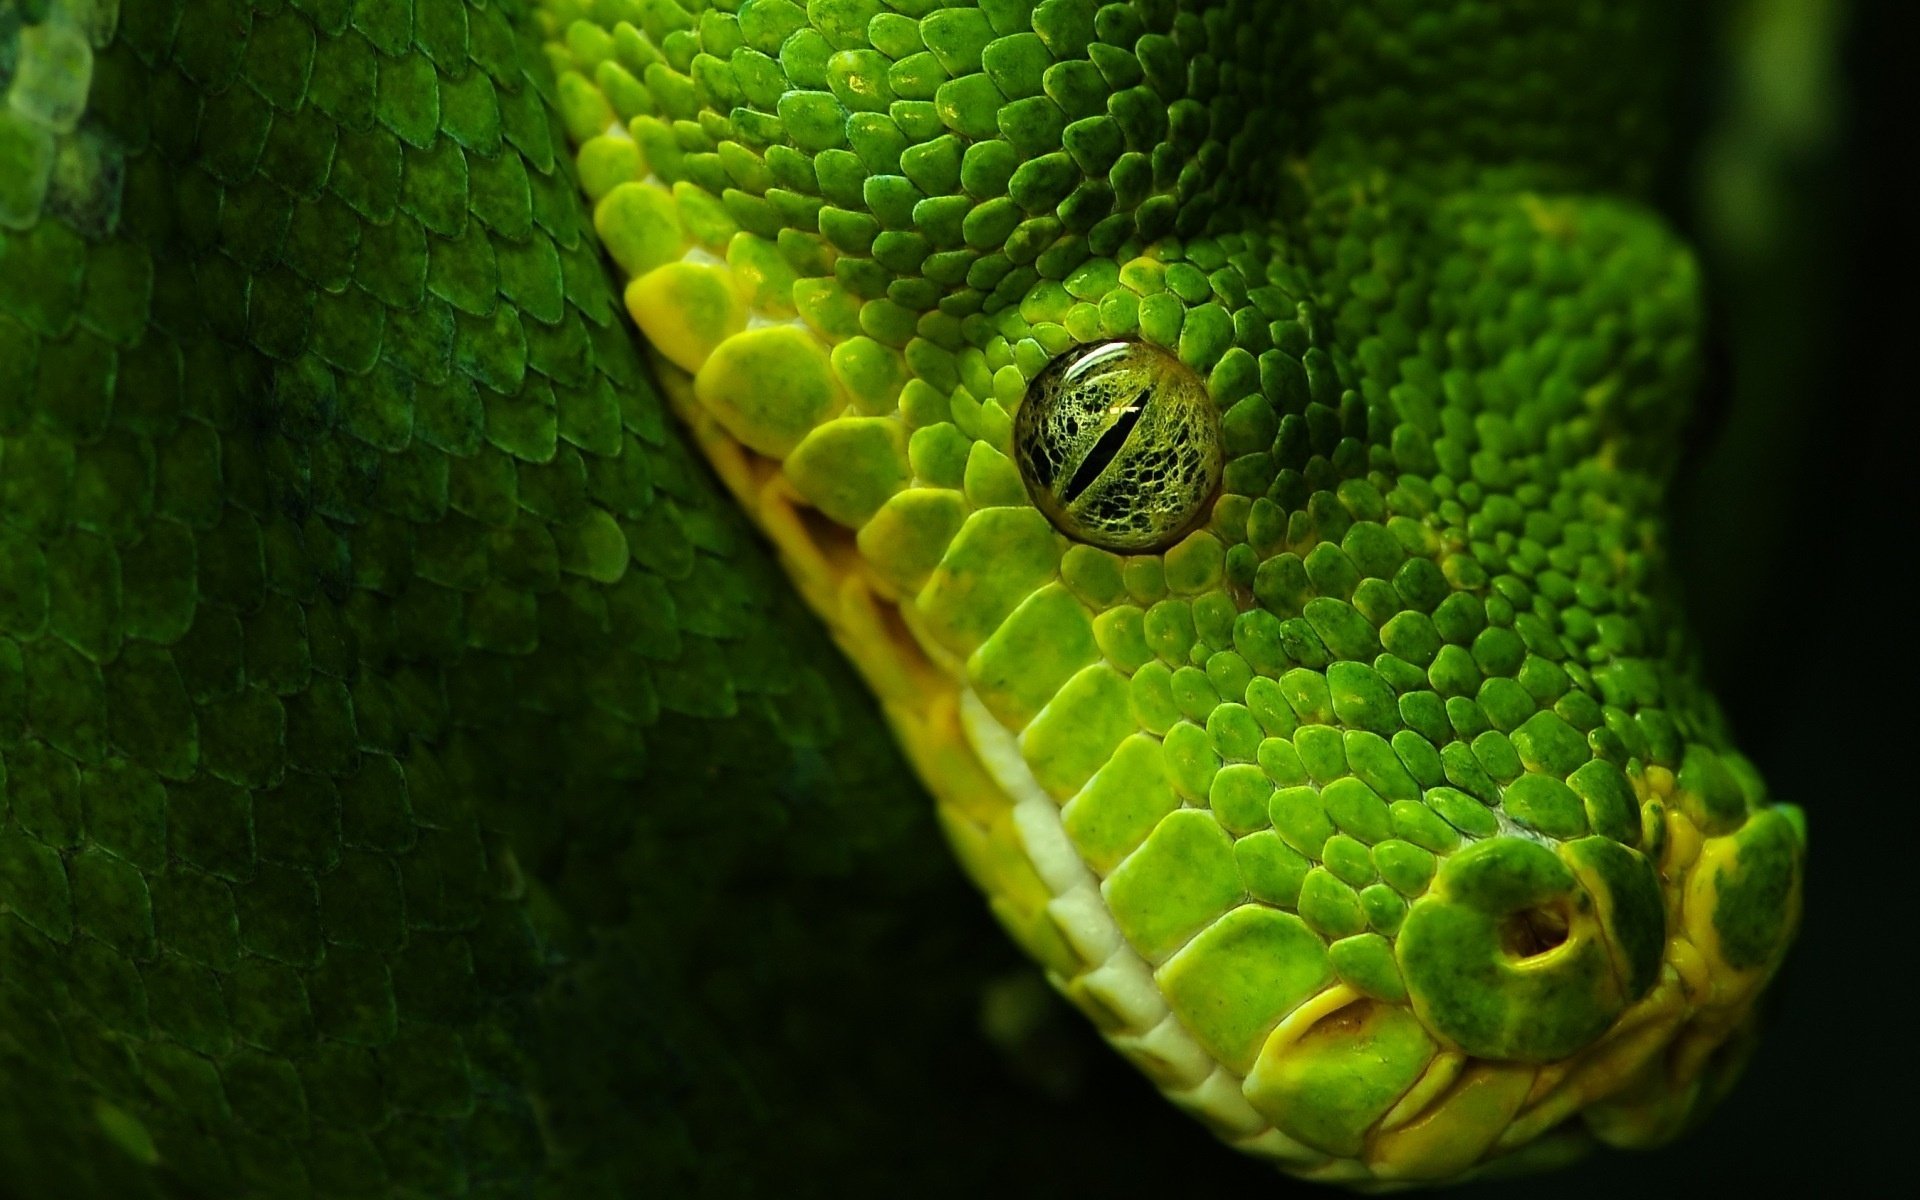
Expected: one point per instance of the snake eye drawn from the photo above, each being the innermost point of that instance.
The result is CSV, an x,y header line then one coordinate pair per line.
x,y
1119,445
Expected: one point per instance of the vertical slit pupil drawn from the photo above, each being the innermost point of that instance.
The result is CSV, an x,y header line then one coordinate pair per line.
x,y
1107,448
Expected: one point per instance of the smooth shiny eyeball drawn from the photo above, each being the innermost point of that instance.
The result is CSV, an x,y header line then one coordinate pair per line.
x,y
1119,445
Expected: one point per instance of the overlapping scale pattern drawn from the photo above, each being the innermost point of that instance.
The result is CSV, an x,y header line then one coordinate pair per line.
x,y
1383,821
369,644
313,431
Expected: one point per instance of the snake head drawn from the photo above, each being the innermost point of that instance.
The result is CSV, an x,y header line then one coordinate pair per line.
x,y
1231,438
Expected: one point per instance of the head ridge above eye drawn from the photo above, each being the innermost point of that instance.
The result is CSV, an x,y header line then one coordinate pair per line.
x,y
1119,445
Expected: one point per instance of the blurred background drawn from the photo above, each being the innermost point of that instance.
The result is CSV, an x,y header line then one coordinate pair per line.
x,y
1792,532
1792,528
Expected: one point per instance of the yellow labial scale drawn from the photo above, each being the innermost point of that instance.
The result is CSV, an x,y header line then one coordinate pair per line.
x,y
848,468
1329,1087
1703,1040
1120,805
905,539
1646,1115
768,387
1342,1171
817,565
1544,1155
1239,976
1630,1049
860,625
1180,880
965,792
951,664
1036,650
1437,1078
640,227
1457,1129
1078,730
968,840
687,310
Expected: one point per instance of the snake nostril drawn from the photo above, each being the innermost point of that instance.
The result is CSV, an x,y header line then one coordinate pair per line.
x,y
1532,932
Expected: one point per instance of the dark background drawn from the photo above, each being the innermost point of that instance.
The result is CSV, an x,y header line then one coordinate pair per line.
x,y
1795,535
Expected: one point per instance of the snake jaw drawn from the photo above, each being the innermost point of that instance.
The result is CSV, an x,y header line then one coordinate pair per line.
x,y
1365,812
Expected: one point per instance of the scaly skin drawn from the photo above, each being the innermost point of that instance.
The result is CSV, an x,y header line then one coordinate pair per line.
x,y
1374,809
407,755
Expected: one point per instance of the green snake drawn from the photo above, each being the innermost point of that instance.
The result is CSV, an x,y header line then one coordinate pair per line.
x,y
1227,438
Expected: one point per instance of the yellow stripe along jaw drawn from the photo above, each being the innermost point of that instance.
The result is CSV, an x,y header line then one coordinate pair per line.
x,y
1362,818
1003,823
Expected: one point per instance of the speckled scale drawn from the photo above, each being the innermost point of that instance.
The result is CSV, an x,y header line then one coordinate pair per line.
x,y
271,653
